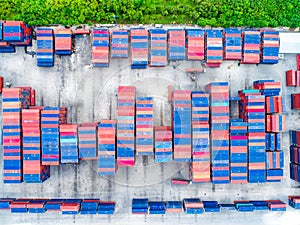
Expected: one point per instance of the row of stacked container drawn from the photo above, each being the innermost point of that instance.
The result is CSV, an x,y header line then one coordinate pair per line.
x,y
63,41
176,44
107,147
13,101
144,126
295,101
214,47
65,206
139,48
295,155
45,47
126,126
100,47
158,47
163,144
251,47
200,166
197,206
33,170
275,125
119,43
68,134
87,140
270,47
219,131
232,44
195,44
182,125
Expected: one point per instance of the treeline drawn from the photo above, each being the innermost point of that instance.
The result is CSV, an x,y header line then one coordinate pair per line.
x,y
224,13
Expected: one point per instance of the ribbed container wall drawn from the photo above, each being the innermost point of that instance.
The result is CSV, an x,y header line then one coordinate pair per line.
x,y
33,171
292,78
144,126
63,41
100,47
200,166
5,47
52,117
219,134
295,155
182,126
232,44
13,100
68,143
193,206
139,48
87,139
107,147
45,47
251,47
163,144
275,125
119,44
139,206
176,44
270,47
126,126
238,151
295,101
214,47
252,111
195,45
158,47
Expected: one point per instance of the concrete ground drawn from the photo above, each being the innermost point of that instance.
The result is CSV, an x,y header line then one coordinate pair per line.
x,y
90,95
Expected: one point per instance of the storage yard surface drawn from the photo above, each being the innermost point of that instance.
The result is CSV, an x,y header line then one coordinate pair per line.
x,y
91,94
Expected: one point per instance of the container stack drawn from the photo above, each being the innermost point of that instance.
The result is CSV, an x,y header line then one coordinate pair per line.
x,y
292,78
107,208
17,33
13,100
244,206
107,147
232,44
200,166
53,205
176,44
100,49
173,206
295,101
89,206
36,206
139,48
158,47
144,126
270,47
219,134
276,205
5,203
19,206
52,117
195,44
295,155
70,206
238,151
87,137
182,125
163,144
126,126
63,41
45,47
157,208
5,47
252,111
119,44
275,125
193,206
33,171
294,201
214,47
211,206
68,143
139,206
251,47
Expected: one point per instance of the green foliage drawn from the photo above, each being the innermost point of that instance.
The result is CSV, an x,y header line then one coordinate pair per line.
x,y
225,13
